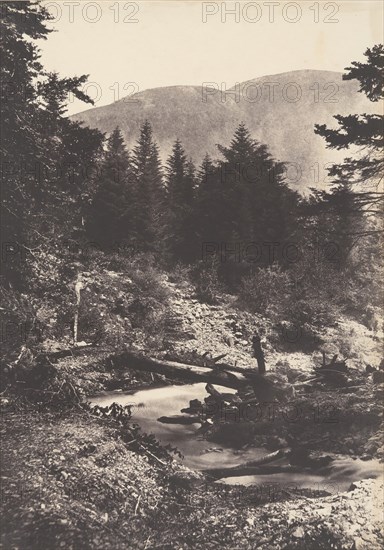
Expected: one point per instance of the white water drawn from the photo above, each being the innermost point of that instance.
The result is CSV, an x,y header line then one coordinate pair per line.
x,y
149,404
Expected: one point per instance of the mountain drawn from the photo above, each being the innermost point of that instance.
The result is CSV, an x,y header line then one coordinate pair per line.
x,y
279,110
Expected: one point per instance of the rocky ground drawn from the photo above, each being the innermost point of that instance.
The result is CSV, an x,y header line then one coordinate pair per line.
x,y
224,328
69,481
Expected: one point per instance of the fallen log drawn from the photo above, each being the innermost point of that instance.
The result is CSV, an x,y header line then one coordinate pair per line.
x,y
214,392
332,375
65,352
222,397
192,373
195,407
334,365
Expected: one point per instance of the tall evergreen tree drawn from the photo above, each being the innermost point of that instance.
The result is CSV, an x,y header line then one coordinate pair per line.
x,y
37,141
259,206
210,203
110,215
190,246
355,196
181,204
366,131
149,192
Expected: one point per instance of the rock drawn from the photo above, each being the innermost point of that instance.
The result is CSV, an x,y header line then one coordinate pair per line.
x,y
298,533
378,377
185,479
359,543
229,340
231,316
188,335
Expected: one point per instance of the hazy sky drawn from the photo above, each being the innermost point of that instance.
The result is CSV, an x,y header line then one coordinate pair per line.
x,y
147,44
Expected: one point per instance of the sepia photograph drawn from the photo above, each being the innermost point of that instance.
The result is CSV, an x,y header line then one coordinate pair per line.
x,y
192,325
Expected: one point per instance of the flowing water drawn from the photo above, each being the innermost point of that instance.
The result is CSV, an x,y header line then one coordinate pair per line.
x,y
150,404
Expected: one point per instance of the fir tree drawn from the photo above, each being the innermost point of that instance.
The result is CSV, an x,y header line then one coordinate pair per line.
x,y
181,204
354,198
210,203
148,193
258,203
110,214
364,131
38,205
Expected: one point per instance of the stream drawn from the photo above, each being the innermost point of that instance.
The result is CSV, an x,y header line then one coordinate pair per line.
x,y
198,453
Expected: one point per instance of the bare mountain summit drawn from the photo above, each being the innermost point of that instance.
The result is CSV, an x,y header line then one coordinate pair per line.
x,y
279,110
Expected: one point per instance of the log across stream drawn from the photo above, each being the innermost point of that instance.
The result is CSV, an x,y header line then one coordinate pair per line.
x,y
200,454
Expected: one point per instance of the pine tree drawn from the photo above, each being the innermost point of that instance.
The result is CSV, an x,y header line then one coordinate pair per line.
x,y
190,182
110,216
210,203
354,197
20,66
38,206
181,183
258,203
365,131
71,154
176,170
190,247
149,193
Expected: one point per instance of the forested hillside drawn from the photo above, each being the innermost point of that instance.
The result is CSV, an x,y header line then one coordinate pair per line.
x,y
274,108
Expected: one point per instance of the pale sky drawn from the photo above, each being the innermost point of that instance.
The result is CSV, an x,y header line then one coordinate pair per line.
x,y
127,47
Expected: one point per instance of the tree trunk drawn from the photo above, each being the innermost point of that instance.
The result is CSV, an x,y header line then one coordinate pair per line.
x,y
78,286
191,373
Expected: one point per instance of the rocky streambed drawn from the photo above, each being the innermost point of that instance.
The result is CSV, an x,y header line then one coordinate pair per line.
x,y
150,405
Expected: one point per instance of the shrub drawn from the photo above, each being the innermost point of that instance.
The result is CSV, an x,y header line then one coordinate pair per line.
x,y
267,291
180,275
207,282
19,326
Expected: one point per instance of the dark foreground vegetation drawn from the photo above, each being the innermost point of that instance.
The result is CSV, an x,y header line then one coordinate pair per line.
x,y
105,252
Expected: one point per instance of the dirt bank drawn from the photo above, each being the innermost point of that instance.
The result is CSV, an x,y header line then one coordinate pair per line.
x,y
69,481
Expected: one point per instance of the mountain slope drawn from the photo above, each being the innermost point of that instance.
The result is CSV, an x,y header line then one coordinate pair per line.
x,y
280,110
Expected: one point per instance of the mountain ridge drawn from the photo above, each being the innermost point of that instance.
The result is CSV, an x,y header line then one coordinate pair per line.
x,y
282,114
